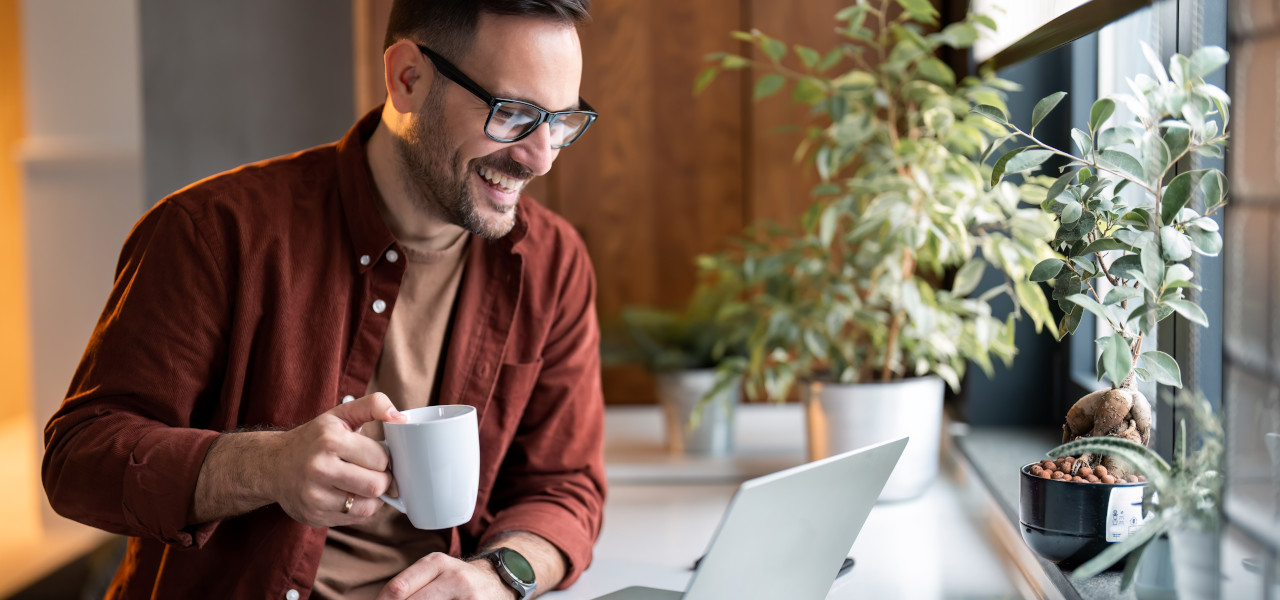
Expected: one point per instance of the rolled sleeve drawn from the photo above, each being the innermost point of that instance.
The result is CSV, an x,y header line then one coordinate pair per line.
x,y
160,483
125,449
552,481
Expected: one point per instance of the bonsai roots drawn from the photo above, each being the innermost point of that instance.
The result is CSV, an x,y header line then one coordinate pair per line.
x,y
1121,412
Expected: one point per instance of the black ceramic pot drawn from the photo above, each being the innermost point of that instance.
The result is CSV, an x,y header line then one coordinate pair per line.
x,y
1068,522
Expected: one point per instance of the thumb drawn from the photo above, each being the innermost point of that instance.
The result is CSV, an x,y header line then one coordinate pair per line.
x,y
374,407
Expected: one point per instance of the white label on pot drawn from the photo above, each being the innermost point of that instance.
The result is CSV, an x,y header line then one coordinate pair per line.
x,y
1124,510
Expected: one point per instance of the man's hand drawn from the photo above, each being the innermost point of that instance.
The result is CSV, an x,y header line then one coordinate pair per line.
x,y
322,461
439,575
308,470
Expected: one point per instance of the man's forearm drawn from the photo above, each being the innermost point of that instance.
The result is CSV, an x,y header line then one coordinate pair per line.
x,y
547,561
232,480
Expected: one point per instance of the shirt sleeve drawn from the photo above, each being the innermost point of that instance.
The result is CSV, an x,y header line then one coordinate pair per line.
x,y
552,482
122,453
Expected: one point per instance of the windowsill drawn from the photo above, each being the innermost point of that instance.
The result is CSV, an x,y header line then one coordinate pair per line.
x,y
996,455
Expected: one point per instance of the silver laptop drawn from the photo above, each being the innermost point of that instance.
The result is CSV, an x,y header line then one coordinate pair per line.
x,y
786,534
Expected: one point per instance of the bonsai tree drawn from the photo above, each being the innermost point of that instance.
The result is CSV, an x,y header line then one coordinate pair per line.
x,y
1184,494
879,280
1127,226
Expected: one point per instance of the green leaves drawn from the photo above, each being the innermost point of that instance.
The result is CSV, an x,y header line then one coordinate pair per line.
x,y
1101,111
769,85
704,79
937,71
1018,160
808,56
774,49
968,276
1207,59
1046,270
991,112
1177,194
1121,163
1116,357
1190,311
1174,246
1162,367
1044,107
920,10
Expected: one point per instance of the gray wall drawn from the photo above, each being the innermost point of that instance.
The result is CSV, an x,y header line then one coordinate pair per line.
x,y
234,81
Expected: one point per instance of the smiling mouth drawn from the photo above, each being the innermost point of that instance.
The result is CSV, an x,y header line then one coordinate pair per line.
x,y
499,181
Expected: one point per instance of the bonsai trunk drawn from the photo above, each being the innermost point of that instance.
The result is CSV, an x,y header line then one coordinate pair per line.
x,y
1120,411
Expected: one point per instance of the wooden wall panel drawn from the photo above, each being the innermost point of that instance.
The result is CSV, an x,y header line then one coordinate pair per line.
x,y
658,180
778,188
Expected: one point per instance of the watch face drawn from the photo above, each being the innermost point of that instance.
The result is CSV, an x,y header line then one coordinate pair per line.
x,y
517,565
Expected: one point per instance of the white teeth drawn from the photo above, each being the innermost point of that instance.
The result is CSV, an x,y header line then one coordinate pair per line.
x,y
500,181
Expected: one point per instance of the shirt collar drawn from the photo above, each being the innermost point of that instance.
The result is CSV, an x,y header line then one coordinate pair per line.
x,y
370,235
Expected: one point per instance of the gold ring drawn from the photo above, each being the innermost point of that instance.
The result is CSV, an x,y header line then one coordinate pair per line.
x,y
346,506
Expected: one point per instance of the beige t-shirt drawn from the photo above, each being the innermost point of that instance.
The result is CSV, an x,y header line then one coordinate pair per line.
x,y
358,560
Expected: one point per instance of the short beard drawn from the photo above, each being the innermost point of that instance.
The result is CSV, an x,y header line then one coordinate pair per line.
x,y
432,171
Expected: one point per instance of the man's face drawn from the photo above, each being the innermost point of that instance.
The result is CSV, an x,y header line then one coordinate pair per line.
x,y
455,171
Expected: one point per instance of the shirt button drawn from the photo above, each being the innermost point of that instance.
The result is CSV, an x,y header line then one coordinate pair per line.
x,y
364,260
379,306
393,256
291,595
348,398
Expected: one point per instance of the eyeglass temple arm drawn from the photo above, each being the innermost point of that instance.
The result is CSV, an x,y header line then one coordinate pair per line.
x,y
453,73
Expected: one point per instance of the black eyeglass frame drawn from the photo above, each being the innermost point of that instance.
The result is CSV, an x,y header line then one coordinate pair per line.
x,y
451,72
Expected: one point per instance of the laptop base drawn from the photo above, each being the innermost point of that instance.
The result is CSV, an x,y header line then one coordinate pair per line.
x,y
636,592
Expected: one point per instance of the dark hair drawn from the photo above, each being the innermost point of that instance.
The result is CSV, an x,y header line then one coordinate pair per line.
x,y
448,26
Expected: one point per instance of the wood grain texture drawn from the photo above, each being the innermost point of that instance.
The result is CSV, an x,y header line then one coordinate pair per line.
x,y
778,189
369,18
658,179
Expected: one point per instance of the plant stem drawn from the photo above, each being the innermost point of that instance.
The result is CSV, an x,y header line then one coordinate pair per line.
x,y
908,271
1095,165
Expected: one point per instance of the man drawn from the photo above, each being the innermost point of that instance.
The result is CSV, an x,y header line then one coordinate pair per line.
x,y
263,322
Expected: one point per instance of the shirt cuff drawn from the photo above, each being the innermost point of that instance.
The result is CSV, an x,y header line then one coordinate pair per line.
x,y
553,523
160,484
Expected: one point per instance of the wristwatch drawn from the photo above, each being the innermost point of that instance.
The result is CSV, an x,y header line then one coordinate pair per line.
x,y
514,571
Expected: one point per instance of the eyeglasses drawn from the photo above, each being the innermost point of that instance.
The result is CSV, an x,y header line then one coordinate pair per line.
x,y
513,120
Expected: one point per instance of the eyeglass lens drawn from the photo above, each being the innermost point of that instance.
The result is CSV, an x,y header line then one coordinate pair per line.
x,y
512,120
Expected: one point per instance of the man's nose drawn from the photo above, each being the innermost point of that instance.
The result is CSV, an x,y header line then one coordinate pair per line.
x,y
535,152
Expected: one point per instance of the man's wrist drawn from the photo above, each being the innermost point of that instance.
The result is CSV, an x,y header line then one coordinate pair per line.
x,y
513,570
483,562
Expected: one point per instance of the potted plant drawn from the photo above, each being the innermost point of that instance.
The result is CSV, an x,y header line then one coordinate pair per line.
x,y
1127,225
1183,500
871,304
681,348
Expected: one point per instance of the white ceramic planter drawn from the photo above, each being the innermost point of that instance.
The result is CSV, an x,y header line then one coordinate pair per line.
x,y
679,393
847,416
1196,572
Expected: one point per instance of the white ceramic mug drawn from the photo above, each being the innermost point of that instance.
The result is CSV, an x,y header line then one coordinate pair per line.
x,y
435,459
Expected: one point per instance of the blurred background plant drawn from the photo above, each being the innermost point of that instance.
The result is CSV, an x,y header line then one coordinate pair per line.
x,y
879,281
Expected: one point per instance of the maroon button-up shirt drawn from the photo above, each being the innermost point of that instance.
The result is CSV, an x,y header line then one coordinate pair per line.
x,y
259,298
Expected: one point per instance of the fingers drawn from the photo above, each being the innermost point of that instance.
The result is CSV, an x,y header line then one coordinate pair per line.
x,y
418,576
374,407
364,452
439,575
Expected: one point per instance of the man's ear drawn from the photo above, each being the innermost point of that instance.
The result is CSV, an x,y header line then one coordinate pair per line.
x,y
408,76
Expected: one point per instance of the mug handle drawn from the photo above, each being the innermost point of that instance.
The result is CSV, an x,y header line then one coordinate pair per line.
x,y
395,503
